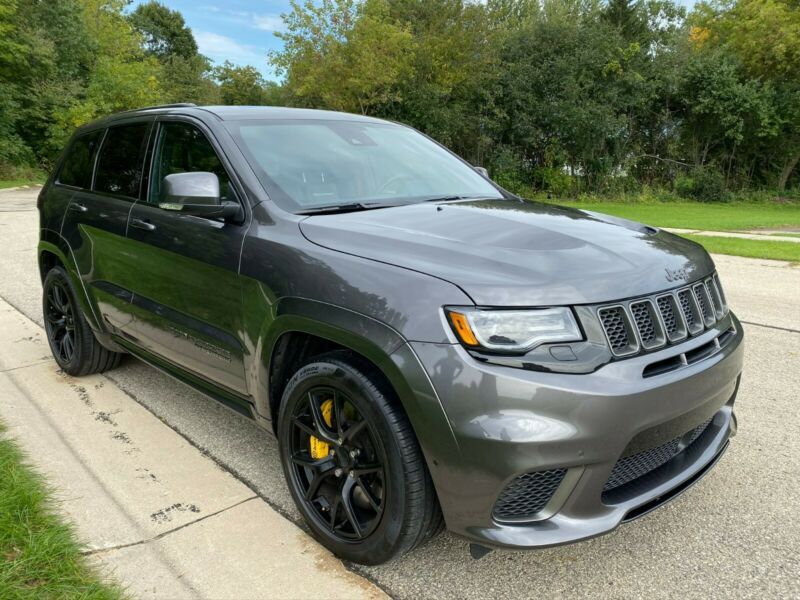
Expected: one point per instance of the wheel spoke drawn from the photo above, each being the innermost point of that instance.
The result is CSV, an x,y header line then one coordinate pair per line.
x,y
334,512
373,501
322,430
58,298
69,346
347,505
354,430
338,413
366,469
306,428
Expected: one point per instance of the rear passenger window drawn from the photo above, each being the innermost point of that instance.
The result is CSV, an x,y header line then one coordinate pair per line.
x,y
79,161
119,167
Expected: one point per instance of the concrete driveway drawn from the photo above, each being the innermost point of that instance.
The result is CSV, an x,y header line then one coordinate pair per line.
x,y
735,534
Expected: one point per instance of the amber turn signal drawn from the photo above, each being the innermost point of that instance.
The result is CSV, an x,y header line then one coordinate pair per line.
x,y
462,328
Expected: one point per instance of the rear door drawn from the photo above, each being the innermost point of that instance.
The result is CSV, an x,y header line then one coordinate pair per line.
x,y
97,216
187,293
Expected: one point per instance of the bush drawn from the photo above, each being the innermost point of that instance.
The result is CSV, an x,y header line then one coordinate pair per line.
x,y
704,184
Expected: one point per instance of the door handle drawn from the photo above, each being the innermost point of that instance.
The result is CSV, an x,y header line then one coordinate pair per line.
x,y
75,207
140,224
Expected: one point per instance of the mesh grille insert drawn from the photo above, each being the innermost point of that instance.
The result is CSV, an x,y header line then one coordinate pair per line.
x,y
644,322
686,306
528,494
702,302
613,320
634,466
670,322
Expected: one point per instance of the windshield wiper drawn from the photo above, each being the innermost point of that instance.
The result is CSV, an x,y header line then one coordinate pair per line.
x,y
451,198
343,208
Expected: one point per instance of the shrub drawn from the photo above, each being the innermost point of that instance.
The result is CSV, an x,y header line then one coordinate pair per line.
x,y
705,184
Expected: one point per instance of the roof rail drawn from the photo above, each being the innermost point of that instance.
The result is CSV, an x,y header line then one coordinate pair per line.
x,y
174,105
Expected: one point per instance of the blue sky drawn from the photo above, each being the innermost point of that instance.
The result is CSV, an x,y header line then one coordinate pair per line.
x,y
241,31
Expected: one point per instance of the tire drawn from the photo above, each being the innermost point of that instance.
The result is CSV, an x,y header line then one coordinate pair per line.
x,y
71,340
387,485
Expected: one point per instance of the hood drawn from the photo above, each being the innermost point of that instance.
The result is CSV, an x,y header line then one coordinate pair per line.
x,y
510,253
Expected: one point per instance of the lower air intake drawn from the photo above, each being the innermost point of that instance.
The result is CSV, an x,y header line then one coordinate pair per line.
x,y
527,495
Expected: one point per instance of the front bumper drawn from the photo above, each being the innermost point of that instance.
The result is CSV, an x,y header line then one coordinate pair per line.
x,y
507,422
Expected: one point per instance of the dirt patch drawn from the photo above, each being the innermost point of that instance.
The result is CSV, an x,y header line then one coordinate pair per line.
x,y
165,514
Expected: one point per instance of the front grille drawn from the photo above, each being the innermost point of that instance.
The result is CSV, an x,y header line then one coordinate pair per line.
x,y
636,465
527,495
650,323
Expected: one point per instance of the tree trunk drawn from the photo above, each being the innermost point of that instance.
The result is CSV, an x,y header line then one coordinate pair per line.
x,y
788,168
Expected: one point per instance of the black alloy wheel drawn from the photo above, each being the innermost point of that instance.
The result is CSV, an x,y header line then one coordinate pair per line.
x,y
71,340
60,321
337,464
352,462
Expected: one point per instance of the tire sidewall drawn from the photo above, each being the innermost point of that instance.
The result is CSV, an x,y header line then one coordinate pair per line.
x,y
383,543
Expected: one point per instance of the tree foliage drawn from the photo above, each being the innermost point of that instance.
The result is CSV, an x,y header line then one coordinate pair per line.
x,y
563,96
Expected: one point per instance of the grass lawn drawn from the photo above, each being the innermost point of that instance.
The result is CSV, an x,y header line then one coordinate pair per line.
x,y
9,183
697,215
39,555
749,248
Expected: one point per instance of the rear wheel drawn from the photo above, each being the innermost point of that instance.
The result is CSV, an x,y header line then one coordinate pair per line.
x,y
71,340
352,463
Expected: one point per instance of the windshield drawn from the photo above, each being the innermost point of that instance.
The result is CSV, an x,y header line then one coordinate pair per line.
x,y
323,163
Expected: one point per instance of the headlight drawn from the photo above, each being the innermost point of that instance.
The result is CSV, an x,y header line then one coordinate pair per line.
x,y
513,330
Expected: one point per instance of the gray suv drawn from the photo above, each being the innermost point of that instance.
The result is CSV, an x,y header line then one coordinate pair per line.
x,y
429,349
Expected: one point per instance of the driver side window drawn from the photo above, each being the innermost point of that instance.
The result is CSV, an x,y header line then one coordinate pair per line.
x,y
182,148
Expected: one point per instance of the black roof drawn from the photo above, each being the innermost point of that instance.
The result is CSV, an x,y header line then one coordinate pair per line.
x,y
233,113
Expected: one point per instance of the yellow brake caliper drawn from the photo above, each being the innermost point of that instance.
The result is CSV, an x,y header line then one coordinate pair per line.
x,y
318,448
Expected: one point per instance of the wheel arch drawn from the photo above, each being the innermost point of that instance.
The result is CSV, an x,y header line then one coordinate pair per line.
x,y
327,327
306,328
53,251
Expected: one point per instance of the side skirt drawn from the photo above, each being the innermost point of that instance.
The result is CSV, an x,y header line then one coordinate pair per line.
x,y
238,404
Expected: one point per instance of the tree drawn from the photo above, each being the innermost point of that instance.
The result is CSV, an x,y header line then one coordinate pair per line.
x,y
240,85
164,31
342,55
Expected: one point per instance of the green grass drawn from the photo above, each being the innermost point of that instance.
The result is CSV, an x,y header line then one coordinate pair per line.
x,y
749,248
696,215
797,235
9,183
39,555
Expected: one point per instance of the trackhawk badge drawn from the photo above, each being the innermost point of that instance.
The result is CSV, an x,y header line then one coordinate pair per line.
x,y
677,275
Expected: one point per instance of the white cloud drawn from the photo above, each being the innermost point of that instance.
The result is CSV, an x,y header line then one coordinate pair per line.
x,y
268,22
221,48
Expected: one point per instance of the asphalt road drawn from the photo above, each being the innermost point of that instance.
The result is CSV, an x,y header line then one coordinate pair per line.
x,y
735,534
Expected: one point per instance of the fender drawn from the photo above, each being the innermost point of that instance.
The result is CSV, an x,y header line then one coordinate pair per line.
x,y
383,346
52,242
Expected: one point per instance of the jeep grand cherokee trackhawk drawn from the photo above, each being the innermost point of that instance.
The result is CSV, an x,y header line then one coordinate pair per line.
x,y
429,349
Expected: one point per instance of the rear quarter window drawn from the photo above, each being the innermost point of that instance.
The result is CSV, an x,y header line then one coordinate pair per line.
x,y
76,170
119,166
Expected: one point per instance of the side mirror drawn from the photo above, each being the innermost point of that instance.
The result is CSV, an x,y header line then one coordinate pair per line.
x,y
197,194
483,171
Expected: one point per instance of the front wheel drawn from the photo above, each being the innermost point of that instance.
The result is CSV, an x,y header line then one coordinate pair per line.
x,y
353,464
71,340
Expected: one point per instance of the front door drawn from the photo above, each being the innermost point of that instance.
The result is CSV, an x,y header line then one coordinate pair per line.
x,y
187,294
97,217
